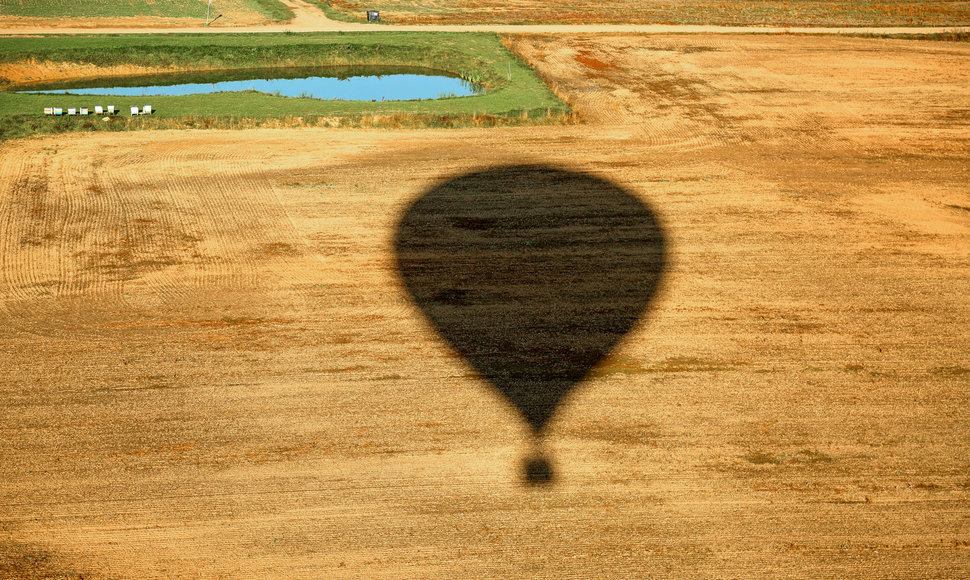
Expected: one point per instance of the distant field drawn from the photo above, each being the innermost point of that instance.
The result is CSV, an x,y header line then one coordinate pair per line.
x,y
748,12
270,9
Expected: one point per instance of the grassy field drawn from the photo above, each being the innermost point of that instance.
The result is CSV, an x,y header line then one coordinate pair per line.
x,y
479,58
746,12
271,9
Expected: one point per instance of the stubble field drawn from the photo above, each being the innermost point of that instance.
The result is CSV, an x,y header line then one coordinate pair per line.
x,y
210,367
743,12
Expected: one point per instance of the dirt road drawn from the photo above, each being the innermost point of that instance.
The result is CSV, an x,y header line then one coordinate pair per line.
x,y
210,368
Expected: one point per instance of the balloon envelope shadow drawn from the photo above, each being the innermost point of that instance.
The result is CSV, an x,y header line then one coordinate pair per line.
x,y
533,274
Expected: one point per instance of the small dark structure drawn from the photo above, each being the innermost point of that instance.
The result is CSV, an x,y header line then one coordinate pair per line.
x,y
373,16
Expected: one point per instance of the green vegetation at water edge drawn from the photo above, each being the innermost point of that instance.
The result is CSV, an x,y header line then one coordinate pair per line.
x,y
478,58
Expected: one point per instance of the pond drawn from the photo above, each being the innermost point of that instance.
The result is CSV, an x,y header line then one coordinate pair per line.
x,y
342,83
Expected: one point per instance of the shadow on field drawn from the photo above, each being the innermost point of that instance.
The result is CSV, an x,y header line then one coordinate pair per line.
x,y
532,274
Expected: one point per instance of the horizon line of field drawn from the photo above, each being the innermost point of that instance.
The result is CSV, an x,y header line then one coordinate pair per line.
x,y
500,29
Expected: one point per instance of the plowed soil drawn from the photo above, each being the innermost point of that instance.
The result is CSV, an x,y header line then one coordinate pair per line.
x,y
211,369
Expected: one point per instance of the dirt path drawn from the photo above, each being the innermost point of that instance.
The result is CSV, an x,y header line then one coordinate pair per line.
x,y
309,18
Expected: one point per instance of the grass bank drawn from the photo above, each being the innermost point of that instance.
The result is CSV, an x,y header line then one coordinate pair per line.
x,y
479,58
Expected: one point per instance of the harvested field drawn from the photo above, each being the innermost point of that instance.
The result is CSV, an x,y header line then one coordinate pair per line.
x,y
742,13
210,367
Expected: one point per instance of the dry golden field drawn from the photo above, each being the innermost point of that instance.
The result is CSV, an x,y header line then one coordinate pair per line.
x,y
733,13
211,369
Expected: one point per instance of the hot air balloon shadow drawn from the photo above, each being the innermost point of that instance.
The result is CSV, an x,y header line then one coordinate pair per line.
x,y
533,274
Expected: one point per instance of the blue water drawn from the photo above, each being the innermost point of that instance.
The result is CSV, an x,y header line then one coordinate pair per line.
x,y
389,87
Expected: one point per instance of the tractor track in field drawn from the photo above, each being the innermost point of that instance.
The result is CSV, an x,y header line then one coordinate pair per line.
x,y
136,231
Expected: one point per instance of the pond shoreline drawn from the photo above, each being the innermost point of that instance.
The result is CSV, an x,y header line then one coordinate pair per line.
x,y
352,83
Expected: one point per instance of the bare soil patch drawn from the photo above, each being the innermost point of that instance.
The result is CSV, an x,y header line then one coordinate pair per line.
x,y
211,368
